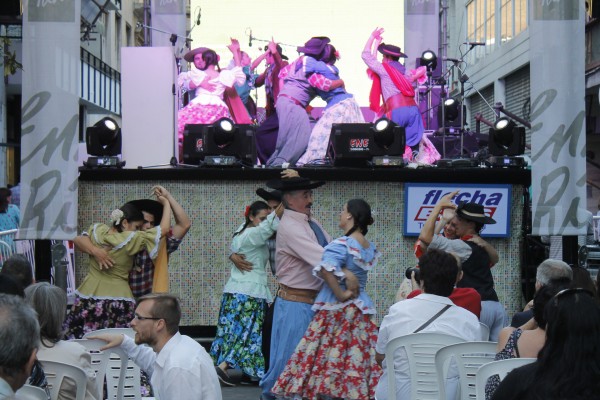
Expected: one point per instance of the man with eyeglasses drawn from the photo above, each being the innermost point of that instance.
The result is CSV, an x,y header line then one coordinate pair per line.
x,y
141,277
179,367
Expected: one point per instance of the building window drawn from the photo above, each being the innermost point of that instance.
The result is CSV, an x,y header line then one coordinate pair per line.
x,y
513,18
482,19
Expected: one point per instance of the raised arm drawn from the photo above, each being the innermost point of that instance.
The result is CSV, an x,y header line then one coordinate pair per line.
x,y
182,221
165,222
427,232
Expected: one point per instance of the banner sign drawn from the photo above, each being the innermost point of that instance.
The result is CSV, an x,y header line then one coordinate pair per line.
x,y
420,199
49,120
558,140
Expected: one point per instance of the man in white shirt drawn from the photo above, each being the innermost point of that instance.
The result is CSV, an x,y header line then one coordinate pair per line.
x,y
179,368
19,335
438,271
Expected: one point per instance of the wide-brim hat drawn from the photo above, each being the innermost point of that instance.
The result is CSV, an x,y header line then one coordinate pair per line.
x,y
189,56
314,46
293,184
473,212
267,196
150,206
391,50
280,51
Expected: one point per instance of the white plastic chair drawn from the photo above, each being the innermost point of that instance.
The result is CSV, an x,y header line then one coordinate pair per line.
x,y
31,393
5,251
100,359
500,368
420,349
468,356
122,374
485,332
56,372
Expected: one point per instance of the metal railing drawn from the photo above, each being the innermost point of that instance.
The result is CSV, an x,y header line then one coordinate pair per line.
x,y
9,245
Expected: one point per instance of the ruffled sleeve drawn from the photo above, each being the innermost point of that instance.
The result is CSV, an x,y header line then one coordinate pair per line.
x,y
230,77
258,235
334,258
193,75
132,242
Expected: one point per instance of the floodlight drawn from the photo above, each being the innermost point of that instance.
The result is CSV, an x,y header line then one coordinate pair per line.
x,y
506,141
429,60
103,141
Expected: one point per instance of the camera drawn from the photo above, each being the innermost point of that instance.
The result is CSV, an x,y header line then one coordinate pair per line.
x,y
410,270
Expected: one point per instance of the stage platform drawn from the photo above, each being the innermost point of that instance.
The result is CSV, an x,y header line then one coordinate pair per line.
x,y
215,199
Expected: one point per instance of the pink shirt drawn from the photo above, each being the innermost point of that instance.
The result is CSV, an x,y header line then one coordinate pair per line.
x,y
297,251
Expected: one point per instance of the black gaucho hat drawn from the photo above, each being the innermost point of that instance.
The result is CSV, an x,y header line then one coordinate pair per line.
x,y
150,206
473,212
189,56
293,184
391,50
266,195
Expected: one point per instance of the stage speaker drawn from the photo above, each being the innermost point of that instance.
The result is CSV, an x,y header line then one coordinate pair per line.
x,y
223,140
357,144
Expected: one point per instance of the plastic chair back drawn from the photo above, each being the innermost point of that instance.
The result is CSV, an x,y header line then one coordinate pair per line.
x,y
420,350
500,368
122,374
31,393
99,359
468,356
485,332
56,372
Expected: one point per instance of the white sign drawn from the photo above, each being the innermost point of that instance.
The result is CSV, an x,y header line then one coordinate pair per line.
x,y
420,198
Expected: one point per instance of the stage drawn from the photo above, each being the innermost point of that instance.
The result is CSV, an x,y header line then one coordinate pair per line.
x,y
215,199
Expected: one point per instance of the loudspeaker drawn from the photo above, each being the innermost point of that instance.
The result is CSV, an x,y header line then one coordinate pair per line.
x,y
357,144
199,142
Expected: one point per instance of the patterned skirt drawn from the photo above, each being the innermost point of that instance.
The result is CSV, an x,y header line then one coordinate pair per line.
x,y
335,358
239,334
200,114
89,314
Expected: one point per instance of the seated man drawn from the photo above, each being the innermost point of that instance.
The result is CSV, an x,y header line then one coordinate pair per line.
x,y
179,367
438,271
19,334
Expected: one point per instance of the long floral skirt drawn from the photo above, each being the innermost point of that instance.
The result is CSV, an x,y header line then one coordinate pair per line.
x,y
200,114
239,334
335,358
89,314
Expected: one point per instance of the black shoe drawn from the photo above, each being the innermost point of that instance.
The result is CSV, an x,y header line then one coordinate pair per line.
x,y
224,378
248,380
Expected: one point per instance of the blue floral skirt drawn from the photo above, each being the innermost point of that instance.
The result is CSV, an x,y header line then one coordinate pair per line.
x,y
239,334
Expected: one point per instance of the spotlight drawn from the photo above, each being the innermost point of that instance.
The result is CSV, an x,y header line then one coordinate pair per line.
x,y
506,141
360,145
103,141
429,60
222,143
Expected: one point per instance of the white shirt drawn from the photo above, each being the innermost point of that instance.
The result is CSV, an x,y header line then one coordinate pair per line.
x,y
181,370
407,316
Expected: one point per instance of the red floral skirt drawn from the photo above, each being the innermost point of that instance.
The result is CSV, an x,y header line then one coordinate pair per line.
x,y
336,358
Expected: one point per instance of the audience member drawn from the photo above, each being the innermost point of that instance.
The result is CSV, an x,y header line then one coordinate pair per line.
x,y
438,271
50,303
527,340
583,279
10,216
19,340
10,286
476,261
18,267
179,368
568,366
549,270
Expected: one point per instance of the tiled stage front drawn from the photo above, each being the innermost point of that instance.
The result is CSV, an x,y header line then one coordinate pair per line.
x,y
215,201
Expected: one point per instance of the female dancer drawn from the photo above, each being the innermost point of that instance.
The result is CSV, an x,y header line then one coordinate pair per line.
x,y
336,356
104,299
246,294
341,107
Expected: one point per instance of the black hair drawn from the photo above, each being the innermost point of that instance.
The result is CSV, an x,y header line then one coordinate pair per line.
x,y
329,55
543,296
253,211
210,57
361,214
394,58
438,270
130,213
18,267
5,193
569,361
9,285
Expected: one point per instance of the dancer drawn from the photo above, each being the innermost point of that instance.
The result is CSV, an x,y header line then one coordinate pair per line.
x,y
391,82
341,108
336,356
266,133
104,299
245,298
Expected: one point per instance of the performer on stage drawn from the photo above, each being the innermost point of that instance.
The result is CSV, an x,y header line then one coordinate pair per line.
x,y
341,108
266,134
211,84
391,82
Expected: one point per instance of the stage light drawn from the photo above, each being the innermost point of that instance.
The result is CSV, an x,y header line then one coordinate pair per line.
x,y
506,140
362,145
103,142
220,144
451,109
429,60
